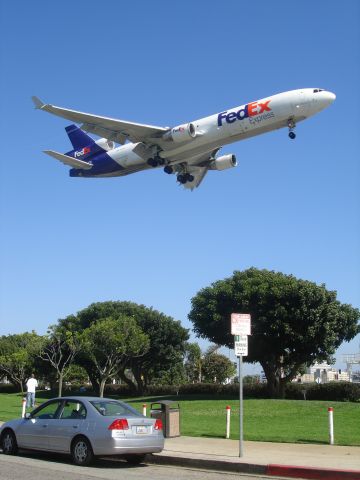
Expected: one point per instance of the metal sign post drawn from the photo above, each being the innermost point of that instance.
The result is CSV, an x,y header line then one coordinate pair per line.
x,y
241,328
241,429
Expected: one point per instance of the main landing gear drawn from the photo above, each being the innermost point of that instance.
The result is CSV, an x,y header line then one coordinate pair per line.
x,y
156,161
292,125
168,169
185,177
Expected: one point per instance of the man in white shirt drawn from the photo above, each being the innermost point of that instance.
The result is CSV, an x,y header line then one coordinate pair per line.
x,y
31,385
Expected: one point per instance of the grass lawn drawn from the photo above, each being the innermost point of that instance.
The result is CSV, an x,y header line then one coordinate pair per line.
x,y
291,421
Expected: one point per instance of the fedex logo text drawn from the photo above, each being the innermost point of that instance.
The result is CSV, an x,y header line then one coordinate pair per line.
x,y
82,152
249,110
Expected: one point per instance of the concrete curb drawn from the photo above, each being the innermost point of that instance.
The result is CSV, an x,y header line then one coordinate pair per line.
x,y
312,473
289,471
206,464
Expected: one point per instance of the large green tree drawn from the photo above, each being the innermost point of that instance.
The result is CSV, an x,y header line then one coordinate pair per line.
x,y
110,343
59,348
167,341
294,322
17,354
217,368
193,362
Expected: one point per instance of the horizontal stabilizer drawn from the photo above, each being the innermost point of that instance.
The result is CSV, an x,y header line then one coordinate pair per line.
x,y
70,161
37,102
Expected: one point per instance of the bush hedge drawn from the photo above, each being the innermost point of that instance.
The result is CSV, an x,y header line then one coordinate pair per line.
x,y
9,388
334,391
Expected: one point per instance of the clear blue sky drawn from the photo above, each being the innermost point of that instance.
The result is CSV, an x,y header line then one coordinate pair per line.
x,y
290,206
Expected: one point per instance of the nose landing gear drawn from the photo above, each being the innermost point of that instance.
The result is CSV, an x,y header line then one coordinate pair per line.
x,y
291,125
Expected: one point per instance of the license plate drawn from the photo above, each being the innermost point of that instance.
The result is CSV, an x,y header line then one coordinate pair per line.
x,y
141,429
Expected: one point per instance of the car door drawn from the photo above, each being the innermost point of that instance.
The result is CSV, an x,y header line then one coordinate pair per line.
x,y
72,418
34,432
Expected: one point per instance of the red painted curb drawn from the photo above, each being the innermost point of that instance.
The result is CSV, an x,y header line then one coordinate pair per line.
x,y
312,473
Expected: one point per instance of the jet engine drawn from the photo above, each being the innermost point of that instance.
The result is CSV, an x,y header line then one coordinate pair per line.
x,y
181,133
106,144
224,162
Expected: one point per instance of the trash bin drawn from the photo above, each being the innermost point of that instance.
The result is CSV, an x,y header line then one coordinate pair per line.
x,y
169,413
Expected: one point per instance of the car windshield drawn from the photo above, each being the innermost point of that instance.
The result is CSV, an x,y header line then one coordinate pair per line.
x,y
113,408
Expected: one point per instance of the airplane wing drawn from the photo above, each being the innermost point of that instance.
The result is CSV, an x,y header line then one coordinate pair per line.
x,y
70,161
117,130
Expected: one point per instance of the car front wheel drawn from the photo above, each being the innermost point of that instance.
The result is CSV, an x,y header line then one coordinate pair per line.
x,y
8,443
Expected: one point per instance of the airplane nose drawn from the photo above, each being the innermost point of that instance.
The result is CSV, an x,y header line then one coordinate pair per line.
x,y
330,97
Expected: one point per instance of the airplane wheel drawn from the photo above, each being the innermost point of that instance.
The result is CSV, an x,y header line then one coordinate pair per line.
x,y
182,179
152,162
292,135
168,169
189,177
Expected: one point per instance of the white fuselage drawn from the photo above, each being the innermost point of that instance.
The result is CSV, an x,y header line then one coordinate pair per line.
x,y
232,125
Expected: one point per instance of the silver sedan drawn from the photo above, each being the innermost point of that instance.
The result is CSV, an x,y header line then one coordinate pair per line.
x,y
84,427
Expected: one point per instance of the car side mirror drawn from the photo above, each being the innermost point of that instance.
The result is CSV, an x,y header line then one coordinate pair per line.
x,y
27,416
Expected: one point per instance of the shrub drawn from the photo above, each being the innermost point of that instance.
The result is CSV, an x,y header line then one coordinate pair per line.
x,y
9,388
334,391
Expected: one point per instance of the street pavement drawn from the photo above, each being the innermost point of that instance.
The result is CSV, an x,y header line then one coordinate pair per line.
x,y
309,461
292,460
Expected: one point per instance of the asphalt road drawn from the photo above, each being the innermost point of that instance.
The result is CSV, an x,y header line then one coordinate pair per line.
x,y
40,467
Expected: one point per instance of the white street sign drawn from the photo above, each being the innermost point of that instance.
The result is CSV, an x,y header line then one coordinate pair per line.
x,y
241,345
240,324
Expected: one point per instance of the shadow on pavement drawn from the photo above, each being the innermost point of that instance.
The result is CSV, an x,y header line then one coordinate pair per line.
x,y
100,462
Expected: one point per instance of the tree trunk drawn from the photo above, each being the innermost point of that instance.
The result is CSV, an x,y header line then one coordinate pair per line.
x,y
139,380
102,387
276,387
128,381
94,381
61,379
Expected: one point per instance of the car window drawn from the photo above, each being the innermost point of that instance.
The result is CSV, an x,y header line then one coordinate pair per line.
x,y
114,409
73,409
49,410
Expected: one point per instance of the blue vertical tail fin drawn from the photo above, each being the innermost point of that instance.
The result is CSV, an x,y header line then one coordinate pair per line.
x,y
78,137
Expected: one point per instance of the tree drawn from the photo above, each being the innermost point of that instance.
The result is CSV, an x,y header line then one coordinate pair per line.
x,y
167,340
193,363
59,348
217,368
172,375
110,343
294,322
17,356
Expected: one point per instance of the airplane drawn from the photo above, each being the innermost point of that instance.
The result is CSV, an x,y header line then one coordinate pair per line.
x,y
189,150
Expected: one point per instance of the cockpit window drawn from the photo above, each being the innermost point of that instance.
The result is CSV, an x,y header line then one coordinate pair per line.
x,y
316,90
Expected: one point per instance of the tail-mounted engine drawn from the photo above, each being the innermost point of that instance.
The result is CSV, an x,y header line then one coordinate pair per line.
x,y
182,133
106,144
224,162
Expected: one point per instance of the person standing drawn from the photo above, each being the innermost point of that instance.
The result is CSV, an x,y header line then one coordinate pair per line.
x,y
31,386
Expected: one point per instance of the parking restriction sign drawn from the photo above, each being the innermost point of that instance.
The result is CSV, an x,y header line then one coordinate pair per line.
x,y
241,345
240,324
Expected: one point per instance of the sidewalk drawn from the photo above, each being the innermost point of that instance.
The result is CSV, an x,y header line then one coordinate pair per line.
x,y
309,461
